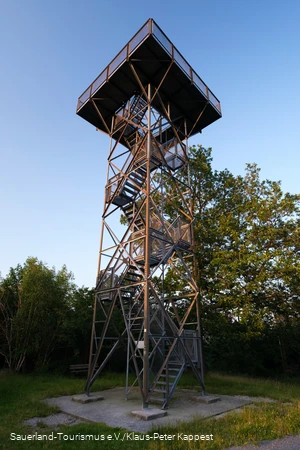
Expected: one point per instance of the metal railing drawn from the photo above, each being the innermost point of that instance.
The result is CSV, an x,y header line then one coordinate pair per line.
x,y
149,28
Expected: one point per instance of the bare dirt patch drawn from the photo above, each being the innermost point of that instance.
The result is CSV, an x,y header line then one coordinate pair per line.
x,y
52,421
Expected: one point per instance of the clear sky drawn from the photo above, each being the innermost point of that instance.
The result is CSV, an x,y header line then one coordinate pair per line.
x,y
53,163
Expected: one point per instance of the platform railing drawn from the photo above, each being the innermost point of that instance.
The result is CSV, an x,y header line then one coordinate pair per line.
x,y
150,27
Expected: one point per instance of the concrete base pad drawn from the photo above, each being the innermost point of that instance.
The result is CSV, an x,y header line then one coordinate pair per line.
x,y
149,413
208,399
116,411
83,398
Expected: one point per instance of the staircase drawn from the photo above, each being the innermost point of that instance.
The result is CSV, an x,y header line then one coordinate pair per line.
x,y
167,378
131,276
138,109
129,211
122,190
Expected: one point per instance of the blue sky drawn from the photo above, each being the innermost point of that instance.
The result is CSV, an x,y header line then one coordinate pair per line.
x,y
53,163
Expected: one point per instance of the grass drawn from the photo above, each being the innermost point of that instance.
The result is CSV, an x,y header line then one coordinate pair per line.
x,y
284,391
21,397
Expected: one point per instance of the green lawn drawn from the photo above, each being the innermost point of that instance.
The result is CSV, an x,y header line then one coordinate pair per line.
x,y
21,397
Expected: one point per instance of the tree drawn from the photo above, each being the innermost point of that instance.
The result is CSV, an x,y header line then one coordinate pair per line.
x,y
10,301
34,302
247,244
78,323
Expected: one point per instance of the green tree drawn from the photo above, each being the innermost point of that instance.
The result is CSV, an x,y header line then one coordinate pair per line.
x,y
247,246
10,301
34,303
78,324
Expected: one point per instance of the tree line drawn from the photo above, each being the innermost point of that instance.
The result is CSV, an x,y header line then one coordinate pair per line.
x,y
247,244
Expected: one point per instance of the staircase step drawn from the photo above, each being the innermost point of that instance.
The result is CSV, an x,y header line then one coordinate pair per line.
x,y
142,172
163,383
129,216
157,399
128,213
134,274
160,391
137,178
129,188
121,200
132,270
105,298
175,363
128,208
139,224
133,279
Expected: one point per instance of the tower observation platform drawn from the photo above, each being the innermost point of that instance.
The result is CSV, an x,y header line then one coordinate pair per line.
x,y
149,101
148,55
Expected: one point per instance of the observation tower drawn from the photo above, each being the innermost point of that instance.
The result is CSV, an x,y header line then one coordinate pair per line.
x,y
149,101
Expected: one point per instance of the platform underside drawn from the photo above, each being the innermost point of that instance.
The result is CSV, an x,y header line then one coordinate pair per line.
x,y
161,66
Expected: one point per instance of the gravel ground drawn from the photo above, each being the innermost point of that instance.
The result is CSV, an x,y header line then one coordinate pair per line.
x,y
52,421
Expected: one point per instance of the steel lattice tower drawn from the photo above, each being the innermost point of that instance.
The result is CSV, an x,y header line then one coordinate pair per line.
x,y
149,101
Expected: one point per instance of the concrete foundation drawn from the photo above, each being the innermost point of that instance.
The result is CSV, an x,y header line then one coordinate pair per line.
x,y
207,399
116,411
83,398
149,413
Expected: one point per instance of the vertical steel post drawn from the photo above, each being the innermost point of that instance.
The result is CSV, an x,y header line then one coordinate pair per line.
x,y
195,276
99,267
104,200
147,262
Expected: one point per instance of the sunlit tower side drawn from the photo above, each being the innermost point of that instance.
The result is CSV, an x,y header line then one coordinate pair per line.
x,y
149,101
